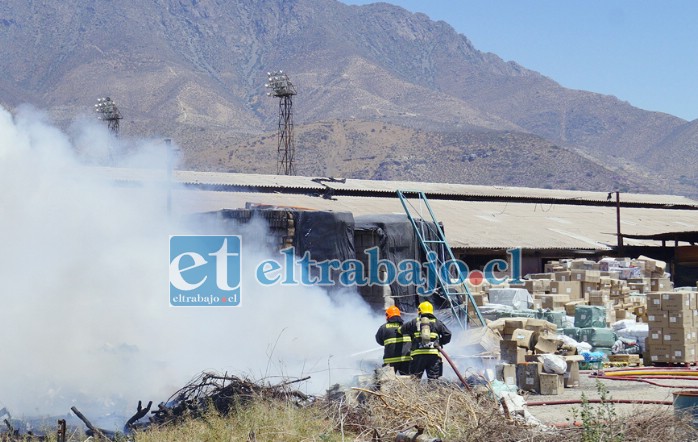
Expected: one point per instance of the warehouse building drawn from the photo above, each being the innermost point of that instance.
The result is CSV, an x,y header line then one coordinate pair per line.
x,y
481,222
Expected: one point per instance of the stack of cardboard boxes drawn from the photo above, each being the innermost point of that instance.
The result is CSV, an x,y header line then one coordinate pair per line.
x,y
672,327
523,341
612,283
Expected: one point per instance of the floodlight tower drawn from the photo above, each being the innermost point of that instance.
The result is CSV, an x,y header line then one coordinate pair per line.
x,y
282,88
107,111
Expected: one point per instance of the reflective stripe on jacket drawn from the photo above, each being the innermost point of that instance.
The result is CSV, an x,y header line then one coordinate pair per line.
x,y
397,346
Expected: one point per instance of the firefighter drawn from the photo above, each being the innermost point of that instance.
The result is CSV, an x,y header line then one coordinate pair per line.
x,y
397,346
426,331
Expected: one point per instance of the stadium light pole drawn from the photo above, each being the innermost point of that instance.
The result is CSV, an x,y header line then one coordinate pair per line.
x,y
107,111
281,87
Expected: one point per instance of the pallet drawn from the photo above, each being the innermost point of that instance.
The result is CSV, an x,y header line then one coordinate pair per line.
x,y
622,364
626,359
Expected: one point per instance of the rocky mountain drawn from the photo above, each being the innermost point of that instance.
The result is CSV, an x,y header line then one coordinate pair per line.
x,y
382,93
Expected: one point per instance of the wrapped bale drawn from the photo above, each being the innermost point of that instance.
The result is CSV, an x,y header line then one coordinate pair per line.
x,y
589,316
598,337
517,298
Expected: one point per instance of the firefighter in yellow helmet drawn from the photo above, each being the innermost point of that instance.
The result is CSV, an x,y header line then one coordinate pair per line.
x,y
397,346
426,331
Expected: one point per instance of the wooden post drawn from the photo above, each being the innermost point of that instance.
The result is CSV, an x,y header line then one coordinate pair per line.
x,y
621,252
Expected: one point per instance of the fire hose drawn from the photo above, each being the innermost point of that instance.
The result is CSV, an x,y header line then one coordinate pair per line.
x,y
645,374
453,366
598,401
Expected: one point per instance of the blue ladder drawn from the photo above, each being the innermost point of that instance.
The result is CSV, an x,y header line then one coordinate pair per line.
x,y
438,252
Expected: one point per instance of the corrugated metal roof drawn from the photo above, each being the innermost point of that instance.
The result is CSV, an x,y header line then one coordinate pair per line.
x,y
238,181
471,224
212,179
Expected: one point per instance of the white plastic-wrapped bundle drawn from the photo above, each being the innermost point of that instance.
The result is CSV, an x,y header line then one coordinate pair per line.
x,y
623,323
553,363
581,346
636,330
517,298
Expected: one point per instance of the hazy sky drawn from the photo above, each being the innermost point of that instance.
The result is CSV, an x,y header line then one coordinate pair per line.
x,y
644,52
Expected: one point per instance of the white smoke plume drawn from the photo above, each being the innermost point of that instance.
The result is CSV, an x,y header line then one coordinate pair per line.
x,y
84,308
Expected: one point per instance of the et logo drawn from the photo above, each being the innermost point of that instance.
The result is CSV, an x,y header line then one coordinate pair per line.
x,y
205,270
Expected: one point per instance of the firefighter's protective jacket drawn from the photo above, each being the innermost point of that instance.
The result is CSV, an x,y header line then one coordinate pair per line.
x,y
397,346
438,333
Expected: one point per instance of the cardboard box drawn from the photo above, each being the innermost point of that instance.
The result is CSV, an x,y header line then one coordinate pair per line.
x,y
677,301
541,326
532,358
680,337
547,276
647,354
683,353
571,306
534,285
524,338
511,325
654,301
551,384
592,276
528,376
658,319
599,297
565,276
638,287
652,265
554,302
506,373
511,353
583,264
661,353
572,374
655,336
553,266
588,287
681,319
547,344
577,275
661,284
572,289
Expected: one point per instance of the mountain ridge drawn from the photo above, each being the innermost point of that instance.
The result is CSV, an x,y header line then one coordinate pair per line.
x,y
193,70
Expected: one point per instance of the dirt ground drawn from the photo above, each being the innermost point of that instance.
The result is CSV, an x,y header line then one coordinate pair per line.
x,y
617,389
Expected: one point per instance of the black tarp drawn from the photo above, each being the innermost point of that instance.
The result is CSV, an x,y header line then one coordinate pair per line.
x,y
398,241
325,235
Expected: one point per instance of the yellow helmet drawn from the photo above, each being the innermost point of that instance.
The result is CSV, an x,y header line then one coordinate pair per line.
x,y
426,307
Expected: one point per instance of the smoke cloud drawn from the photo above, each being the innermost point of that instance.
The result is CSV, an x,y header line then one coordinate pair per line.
x,y
84,297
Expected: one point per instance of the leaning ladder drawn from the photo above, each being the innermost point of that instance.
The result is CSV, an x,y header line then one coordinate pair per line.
x,y
441,253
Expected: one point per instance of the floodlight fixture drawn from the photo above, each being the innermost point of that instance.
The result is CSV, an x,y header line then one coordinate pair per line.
x,y
108,111
280,85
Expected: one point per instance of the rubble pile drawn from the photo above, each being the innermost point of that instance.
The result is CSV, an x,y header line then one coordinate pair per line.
x,y
221,393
